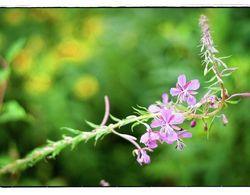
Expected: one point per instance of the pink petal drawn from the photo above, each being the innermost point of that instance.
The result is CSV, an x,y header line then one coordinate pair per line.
x,y
154,135
166,114
191,100
171,136
184,96
154,108
178,119
182,80
184,134
145,157
193,85
144,138
175,91
165,98
152,144
164,138
156,123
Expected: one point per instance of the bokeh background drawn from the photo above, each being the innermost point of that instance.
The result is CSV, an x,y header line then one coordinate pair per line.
x,y
63,61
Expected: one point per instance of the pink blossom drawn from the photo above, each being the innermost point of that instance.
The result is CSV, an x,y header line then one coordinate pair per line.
x,y
168,121
149,138
142,156
185,90
156,108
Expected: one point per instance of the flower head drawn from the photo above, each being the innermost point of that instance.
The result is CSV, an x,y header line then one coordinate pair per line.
x,y
206,39
168,121
149,138
185,90
142,156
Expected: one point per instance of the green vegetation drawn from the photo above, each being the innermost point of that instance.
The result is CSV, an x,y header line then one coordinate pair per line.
x,y
62,62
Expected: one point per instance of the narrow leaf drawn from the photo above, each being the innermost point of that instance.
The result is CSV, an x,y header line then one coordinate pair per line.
x,y
114,118
74,131
233,101
92,125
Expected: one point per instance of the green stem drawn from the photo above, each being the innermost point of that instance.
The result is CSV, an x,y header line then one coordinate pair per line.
x,y
49,150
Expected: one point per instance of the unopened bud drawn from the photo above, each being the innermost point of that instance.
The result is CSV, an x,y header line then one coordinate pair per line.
x,y
224,119
180,145
193,123
205,127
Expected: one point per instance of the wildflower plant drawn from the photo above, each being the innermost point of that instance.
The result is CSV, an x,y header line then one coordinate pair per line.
x,y
163,120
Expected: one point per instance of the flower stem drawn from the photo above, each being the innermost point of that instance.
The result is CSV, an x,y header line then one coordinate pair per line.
x,y
52,149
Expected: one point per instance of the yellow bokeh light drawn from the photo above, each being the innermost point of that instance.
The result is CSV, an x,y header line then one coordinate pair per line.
x,y
22,62
38,84
86,87
92,27
73,50
14,16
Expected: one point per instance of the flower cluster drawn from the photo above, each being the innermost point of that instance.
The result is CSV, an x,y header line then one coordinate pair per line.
x,y
166,124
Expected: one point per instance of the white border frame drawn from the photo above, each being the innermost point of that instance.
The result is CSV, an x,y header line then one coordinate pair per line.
x,y
124,3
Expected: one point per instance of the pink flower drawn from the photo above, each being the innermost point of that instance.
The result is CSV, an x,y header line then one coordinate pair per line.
x,y
149,138
156,108
185,90
142,156
168,121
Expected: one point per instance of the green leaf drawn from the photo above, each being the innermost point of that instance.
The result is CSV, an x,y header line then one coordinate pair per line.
x,y
134,125
15,49
140,112
212,79
12,111
142,108
214,89
100,136
95,126
233,101
76,142
74,131
207,69
114,118
49,141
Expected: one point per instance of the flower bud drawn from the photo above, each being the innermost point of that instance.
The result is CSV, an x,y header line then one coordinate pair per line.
x,y
205,127
193,123
224,119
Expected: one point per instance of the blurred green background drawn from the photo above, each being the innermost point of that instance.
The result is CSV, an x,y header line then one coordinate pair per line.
x,y
70,58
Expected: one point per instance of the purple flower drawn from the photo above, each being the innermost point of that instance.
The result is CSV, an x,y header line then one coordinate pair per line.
x,y
149,138
155,108
180,135
185,90
142,156
168,121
